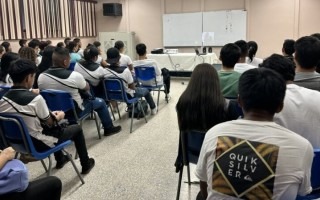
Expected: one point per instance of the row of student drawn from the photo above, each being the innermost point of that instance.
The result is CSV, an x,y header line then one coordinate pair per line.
x,y
266,94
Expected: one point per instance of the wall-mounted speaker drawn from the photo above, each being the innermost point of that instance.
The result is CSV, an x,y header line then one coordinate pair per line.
x,y
112,9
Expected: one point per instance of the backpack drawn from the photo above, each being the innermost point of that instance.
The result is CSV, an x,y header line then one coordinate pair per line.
x,y
137,110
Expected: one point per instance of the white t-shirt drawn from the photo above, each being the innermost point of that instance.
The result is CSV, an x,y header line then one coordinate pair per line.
x,y
72,84
92,76
126,76
34,108
255,61
242,67
150,63
125,60
301,113
243,157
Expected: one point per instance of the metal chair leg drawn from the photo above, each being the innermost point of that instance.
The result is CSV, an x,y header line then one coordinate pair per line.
x,y
144,114
44,166
132,118
158,99
110,106
74,166
118,111
188,171
97,124
179,183
50,166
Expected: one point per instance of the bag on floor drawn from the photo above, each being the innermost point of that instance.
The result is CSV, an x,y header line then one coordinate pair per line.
x,y
137,109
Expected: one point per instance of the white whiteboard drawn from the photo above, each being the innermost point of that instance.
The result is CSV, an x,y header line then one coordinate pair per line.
x,y
226,26
214,28
182,29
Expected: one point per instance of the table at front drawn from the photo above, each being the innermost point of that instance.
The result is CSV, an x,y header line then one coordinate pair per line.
x,y
183,61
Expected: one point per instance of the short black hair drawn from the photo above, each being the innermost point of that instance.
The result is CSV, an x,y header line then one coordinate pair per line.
x,y
71,45
119,44
76,40
97,44
60,44
141,49
22,42
288,46
6,45
307,51
90,52
59,55
230,54
34,43
316,35
20,69
243,46
280,64
261,89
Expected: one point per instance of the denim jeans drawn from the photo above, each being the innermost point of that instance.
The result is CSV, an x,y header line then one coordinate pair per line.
x,y
100,106
143,92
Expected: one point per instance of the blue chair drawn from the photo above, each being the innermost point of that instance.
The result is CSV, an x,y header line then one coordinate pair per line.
x,y
98,91
147,73
315,178
4,89
15,133
62,100
115,91
71,66
190,144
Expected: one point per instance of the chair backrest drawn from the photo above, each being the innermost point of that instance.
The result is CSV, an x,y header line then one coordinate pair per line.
x,y
15,133
58,100
114,90
145,73
4,89
71,66
191,143
62,101
315,170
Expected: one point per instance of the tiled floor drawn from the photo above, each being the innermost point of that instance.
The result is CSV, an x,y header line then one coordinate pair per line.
x,y
132,166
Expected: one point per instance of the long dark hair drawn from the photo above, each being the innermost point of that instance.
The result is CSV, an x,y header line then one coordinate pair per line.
x,y
201,105
253,48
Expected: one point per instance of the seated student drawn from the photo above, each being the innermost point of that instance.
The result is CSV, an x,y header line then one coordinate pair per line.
x,y
317,35
73,48
33,109
2,51
6,61
229,56
7,46
113,57
22,43
88,67
78,44
307,58
58,77
34,44
242,66
143,60
301,109
255,158
28,53
252,50
288,49
125,60
48,188
100,61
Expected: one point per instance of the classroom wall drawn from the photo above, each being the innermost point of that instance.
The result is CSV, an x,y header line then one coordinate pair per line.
x,y
269,22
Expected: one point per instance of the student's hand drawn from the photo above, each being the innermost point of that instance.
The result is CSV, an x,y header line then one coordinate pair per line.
x,y
8,153
59,115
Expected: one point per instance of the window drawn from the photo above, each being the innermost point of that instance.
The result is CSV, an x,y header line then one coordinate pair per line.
x,y
46,19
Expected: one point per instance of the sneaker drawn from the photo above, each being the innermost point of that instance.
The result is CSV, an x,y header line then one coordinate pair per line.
x,y
154,111
112,130
86,169
61,163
